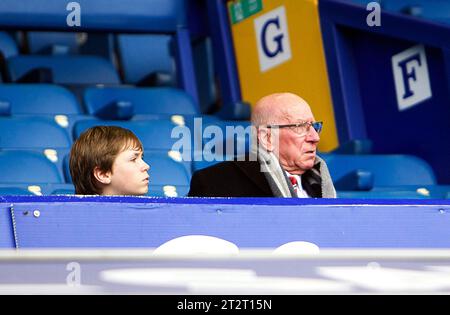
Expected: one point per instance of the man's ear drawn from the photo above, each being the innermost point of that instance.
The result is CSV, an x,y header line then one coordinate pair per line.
x,y
265,138
102,176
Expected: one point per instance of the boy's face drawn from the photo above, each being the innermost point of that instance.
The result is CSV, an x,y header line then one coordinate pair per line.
x,y
129,174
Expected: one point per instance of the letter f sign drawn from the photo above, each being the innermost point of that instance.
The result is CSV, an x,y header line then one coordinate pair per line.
x,y
412,82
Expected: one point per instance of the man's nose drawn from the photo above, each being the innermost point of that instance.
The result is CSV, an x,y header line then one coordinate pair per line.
x,y
312,136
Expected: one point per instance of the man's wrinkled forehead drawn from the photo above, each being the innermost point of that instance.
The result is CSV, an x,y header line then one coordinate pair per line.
x,y
295,109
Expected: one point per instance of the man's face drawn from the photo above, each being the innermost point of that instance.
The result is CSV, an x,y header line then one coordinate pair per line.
x,y
297,152
129,174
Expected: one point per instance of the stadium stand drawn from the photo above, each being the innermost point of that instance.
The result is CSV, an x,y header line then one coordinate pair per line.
x,y
61,69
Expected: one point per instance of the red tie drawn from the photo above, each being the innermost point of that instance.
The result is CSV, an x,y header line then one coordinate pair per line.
x,y
294,184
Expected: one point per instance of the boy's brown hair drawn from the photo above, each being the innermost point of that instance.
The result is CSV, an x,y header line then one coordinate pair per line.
x,y
98,147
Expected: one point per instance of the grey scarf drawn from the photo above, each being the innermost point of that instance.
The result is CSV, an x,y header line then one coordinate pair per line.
x,y
279,182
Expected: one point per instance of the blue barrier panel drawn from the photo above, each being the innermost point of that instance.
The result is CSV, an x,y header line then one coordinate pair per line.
x,y
248,222
6,226
104,15
390,82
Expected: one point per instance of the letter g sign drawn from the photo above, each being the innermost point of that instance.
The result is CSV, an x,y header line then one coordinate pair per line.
x,y
272,39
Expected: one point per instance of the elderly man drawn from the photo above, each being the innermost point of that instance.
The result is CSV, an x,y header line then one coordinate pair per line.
x,y
284,163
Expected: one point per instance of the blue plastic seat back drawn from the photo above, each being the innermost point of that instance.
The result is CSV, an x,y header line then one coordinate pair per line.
x,y
32,133
387,170
232,136
154,134
39,99
144,101
66,69
8,47
15,191
167,191
27,167
166,171
52,43
388,194
141,55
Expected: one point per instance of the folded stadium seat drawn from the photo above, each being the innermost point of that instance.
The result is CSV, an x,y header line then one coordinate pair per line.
x,y
387,170
27,167
36,189
39,99
52,43
68,70
59,189
124,102
154,135
31,100
15,191
147,59
168,177
391,193
33,133
8,47
383,176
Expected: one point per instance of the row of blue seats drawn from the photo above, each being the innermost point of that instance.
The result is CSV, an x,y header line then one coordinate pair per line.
x,y
355,176
134,59
29,172
142,57
120,102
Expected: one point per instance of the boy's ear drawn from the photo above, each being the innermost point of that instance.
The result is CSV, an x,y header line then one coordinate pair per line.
x,y
102,176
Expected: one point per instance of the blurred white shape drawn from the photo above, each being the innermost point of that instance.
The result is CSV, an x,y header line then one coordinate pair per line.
x,y
197,244
175,155
178,120
390,280
170,191
175,276
51,154
62,120
297,248
35,190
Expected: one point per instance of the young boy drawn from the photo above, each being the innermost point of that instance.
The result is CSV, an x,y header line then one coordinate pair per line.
x,y
107,160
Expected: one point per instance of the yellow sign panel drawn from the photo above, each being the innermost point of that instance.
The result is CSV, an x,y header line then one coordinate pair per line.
x,y
280,49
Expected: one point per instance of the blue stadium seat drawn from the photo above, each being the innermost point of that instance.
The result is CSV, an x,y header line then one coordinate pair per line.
x,y
168,191
232,133
386,194
27,167
147,59
8,47
38,99
53,43
104,102
387,170
33,133
59,189
15,191
166,171
81,70
154,134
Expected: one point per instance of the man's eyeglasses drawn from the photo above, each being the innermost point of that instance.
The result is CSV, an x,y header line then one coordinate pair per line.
x,y
302,128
